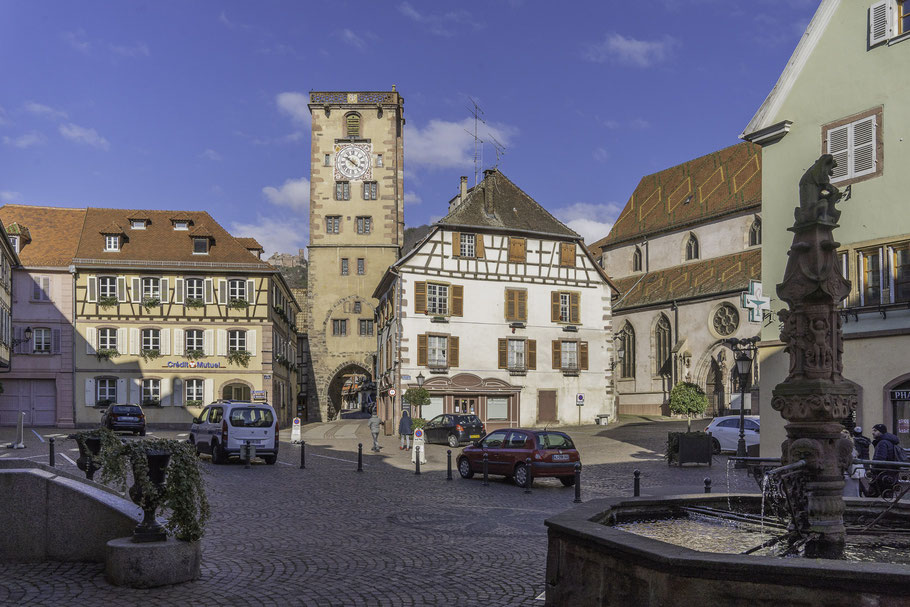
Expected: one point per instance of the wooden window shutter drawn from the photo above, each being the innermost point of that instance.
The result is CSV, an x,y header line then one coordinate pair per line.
x,y
521,306
574,307
567,254
420,297
557,354
92,289
517,249
838,146
456,244
457,300
503,353
422,350
532,354
510,304
479,252
583,355
554,306
863,153
879,22
453,351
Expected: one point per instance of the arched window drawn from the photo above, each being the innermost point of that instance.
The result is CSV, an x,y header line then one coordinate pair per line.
x,y
352,125
636,260
755,233
626,341
692,247
662,345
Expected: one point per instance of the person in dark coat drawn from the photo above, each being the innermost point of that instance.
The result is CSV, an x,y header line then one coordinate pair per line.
x,y
861,443
883,479
405,430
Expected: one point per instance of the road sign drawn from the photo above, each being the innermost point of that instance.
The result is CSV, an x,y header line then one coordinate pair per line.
x,y
392,392
295,430
580,399
419,447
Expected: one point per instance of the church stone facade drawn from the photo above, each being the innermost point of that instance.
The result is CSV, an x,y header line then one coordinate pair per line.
x,y
356,231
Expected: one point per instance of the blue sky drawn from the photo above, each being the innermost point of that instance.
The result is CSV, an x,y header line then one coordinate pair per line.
x,y
202,105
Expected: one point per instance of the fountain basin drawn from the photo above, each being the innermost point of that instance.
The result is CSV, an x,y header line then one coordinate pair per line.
x,y
591,563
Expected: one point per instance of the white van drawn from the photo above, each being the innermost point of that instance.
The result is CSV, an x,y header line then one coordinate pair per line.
x,y
224,426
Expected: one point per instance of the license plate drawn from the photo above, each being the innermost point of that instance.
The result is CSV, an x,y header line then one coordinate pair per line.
x,y
475,436
128,419
562,457
254,442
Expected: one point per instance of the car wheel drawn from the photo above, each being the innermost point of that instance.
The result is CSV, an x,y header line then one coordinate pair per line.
x,y
567,481
716,446
135,432
521,475
464,468
218,457
142,432
270,459
453,441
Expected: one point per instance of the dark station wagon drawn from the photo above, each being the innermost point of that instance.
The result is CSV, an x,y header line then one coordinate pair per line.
x,y
552,454
453,429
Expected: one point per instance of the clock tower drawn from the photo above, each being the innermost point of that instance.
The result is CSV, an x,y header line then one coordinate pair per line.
x,y
356,233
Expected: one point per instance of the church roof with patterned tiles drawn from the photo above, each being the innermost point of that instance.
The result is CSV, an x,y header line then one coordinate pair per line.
x,y
159,241
722,182
53,233
696,279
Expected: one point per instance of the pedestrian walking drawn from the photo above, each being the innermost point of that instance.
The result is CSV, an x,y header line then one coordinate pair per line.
x,y
375,424
404,430
861,443
886,446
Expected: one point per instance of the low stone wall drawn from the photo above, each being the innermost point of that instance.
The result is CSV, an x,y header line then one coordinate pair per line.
x,y
589,563
47,514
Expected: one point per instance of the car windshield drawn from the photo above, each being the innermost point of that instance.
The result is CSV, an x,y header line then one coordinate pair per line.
x,y
249,417
554,440
467,420
125,410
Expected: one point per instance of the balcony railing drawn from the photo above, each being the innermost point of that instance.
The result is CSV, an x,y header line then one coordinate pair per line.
x,y
570,369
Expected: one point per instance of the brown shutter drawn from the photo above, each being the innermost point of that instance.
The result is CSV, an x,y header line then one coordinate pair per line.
x,y
573,307
522,306
420,297
503,353
554,306
583,355
456,244
422,350
457,300
532,354
567,254
510,304
557,356
517,249
478,247
453,351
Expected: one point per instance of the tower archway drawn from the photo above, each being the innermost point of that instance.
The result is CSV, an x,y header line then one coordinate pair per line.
x,y
344,389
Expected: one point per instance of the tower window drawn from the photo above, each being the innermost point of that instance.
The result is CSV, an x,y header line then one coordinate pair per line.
x,y
327,161
636,260
370,190
692,248
352,125
333,224
755,233
344,266
342,190
361,265
379,160
364,225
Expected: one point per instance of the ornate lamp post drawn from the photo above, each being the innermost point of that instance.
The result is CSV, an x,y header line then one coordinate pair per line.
x,y
420,380
743,351
620,351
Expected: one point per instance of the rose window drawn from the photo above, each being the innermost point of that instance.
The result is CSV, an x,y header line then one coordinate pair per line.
x,y
726,319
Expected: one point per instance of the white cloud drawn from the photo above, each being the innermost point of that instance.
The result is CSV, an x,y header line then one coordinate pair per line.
x,y
294,105
77,40
81,134
630,51
139,49
441,24
412,198
601,154
444,144
210,154
635,124
276,234
39,109
293,193
25,141
592,221
352,39
8,196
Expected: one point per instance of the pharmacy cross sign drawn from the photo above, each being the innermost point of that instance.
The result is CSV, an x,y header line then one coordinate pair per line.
x,y
755,302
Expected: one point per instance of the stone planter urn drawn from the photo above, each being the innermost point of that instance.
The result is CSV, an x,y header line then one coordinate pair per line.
x,y
89,448
150,530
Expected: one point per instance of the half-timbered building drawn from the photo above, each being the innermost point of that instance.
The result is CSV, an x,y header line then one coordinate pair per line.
x,y
500,311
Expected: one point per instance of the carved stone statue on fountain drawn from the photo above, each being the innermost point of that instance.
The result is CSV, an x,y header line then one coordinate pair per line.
x,y
815,397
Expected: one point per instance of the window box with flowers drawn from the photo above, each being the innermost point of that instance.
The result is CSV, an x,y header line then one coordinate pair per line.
x,y
107,302
239,357
150,302
194,354
106,354
149,355
193,302
238,304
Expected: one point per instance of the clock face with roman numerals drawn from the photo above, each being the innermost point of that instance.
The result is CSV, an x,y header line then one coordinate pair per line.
x,y
352,162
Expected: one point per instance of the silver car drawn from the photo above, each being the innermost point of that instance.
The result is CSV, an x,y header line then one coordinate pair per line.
x,y
725,431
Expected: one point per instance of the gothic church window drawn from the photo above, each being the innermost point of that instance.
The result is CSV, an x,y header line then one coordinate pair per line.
x,y
627,361
755,233
692,248
662,345
636,260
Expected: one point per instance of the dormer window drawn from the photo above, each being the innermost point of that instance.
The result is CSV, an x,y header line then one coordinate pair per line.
x,y
137,224
14,241
200,246
181,225
111,242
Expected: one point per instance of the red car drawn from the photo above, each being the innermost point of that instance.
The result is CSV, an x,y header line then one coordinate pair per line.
x,y
552,454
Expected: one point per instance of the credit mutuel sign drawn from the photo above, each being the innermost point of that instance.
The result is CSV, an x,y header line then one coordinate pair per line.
x,y
192,364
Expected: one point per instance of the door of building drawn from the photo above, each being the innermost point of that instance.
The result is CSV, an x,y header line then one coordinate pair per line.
x,y
546,406
37,398
465,405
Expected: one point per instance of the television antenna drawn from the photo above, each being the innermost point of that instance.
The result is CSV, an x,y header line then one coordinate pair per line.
x,y
477,113
500,150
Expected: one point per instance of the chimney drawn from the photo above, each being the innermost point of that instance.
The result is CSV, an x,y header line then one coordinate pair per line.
x,y
464,187
462,194
488,172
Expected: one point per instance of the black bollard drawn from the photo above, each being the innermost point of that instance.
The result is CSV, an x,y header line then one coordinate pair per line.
x,y
577,499
51,456
246,456
359,457
448,464
636,484
416,459
530,480
707,485
485,477
302,455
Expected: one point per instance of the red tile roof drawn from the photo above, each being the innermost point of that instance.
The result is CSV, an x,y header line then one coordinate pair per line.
x,y
54,233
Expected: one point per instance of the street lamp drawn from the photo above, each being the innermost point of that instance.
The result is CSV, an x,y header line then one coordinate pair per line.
x,y
620,350
420,380
27,336
743,350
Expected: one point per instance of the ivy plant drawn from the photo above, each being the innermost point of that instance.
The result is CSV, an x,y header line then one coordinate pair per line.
x,y
195,354
194,403
150,302
238,304
108,302
149,355
239,357
106,353
192,302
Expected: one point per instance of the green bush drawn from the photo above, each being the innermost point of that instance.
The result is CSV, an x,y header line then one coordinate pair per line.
x,y
418,422
688,399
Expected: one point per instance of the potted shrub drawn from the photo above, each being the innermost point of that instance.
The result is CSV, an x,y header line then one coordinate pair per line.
x,y
91,444
688,399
